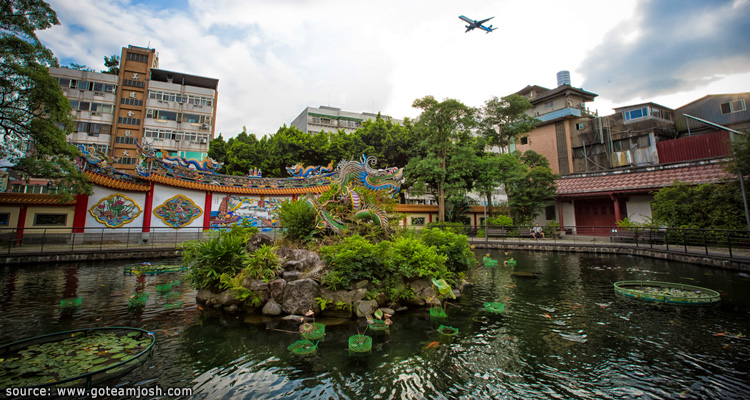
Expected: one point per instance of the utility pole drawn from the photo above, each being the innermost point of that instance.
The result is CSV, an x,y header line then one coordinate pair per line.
x,y
744,198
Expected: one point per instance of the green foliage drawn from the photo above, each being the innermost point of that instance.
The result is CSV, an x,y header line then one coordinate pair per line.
x,y
34,112
529,186
412,258
298,219
455,227
452,245
263,264
500,220
354,258
223,252
323,303
706,206
112,64
504,120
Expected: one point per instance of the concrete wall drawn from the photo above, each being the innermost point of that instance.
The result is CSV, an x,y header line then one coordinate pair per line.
x,y
639,208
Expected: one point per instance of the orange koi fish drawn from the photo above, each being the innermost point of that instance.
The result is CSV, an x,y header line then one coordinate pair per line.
x,y
433,345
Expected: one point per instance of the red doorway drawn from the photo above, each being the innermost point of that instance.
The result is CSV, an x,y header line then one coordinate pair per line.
x,y
595,216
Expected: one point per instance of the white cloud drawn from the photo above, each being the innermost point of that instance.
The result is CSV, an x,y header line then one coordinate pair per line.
x,y
273,59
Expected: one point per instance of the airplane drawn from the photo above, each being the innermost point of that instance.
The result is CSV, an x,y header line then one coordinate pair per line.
x,y
477,24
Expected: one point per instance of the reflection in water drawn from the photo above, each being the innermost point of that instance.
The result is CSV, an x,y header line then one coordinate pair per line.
x,y
564,334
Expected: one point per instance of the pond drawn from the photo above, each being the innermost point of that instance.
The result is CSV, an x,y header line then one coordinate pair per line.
x,y
564,334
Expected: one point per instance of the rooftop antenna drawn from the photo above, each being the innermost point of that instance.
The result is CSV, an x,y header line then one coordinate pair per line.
x,y
148,46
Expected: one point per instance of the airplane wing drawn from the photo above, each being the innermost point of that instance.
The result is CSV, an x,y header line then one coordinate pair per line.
x,y
466,19
484,20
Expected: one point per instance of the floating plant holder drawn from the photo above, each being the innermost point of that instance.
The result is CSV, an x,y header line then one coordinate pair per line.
x,y
495,308
303,347
83,357
511,262
316,331
667,292
173,306
379,326
138,300
488,262
437,313
148,269
360,345
72,303
447,332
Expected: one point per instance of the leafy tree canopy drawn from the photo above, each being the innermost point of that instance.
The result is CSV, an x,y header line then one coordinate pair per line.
x,y
35,116
706,206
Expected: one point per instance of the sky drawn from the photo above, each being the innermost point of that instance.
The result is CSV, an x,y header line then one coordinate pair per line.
x,y
274,58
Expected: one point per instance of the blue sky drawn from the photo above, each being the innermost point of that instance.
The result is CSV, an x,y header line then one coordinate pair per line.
x,y
274,58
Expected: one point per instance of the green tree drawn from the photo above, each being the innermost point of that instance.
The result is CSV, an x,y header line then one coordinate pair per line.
x,y
35,116
529,187
113,64
706,206
503,120
443,130
217,150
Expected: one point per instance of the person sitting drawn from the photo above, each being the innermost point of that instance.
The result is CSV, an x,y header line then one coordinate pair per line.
x,y
537,231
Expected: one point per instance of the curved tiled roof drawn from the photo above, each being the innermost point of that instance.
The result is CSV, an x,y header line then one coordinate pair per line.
x,y
643,180
156,178
32,199
118,184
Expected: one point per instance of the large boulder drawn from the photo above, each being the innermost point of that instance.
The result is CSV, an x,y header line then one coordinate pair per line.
x,y
227,298
257,241
307,258
423,292
316,272
272,308
364,308
205,296
299,296
276,290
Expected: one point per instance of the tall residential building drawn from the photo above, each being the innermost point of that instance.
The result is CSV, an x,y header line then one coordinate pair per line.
x,y
172,110
331,119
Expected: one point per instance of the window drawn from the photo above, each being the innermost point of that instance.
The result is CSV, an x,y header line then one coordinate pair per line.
x,y
50,219
417,220
128,121
550,104
128,160
191,118
644,141
580,126
524,140
131,102
137,57
64,82
549,212
126,140
4,219
733,106
130,82
635,114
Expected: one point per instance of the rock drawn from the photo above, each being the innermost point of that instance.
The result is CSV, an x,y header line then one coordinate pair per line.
x,y
204,295
272,308
276,289
316,272
291,275
232,309
228,298
364,308
294,265
255,284
423,292
357,294
381,299
457,293
386,310
299,296
402,309
360,284
292,317
306,257
257,241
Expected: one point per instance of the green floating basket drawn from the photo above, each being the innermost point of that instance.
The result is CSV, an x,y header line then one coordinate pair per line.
x,y
447,332
303,347
138,300
488,262
379,326
438,313
495,308
70,303
360,345
173,306
511,262
317,333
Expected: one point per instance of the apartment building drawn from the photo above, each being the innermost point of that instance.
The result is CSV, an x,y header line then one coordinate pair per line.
x,y
333,119
174,111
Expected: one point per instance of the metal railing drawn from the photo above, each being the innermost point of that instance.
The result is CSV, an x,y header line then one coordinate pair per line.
x,y
710,242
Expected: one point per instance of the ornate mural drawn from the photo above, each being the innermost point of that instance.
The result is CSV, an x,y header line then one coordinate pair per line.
x,y
257,211
115,210
178,211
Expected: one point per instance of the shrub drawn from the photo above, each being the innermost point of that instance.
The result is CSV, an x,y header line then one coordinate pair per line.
x,y
454,246
455,227
500,220
297,218
222,253
263,264
354,258
412,258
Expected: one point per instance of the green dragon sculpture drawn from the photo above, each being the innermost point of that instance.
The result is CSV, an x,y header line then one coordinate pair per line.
x,y
358,174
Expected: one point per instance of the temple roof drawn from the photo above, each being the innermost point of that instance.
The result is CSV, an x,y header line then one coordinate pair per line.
x,y
641,180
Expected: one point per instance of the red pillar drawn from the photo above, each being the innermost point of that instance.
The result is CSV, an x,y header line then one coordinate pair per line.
x,y
617,209
147,209
207,211
430,214
21,221
475,219
79,218
560,214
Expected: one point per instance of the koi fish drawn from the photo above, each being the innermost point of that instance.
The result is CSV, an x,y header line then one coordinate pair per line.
x,y
433,345
721,334
547,315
